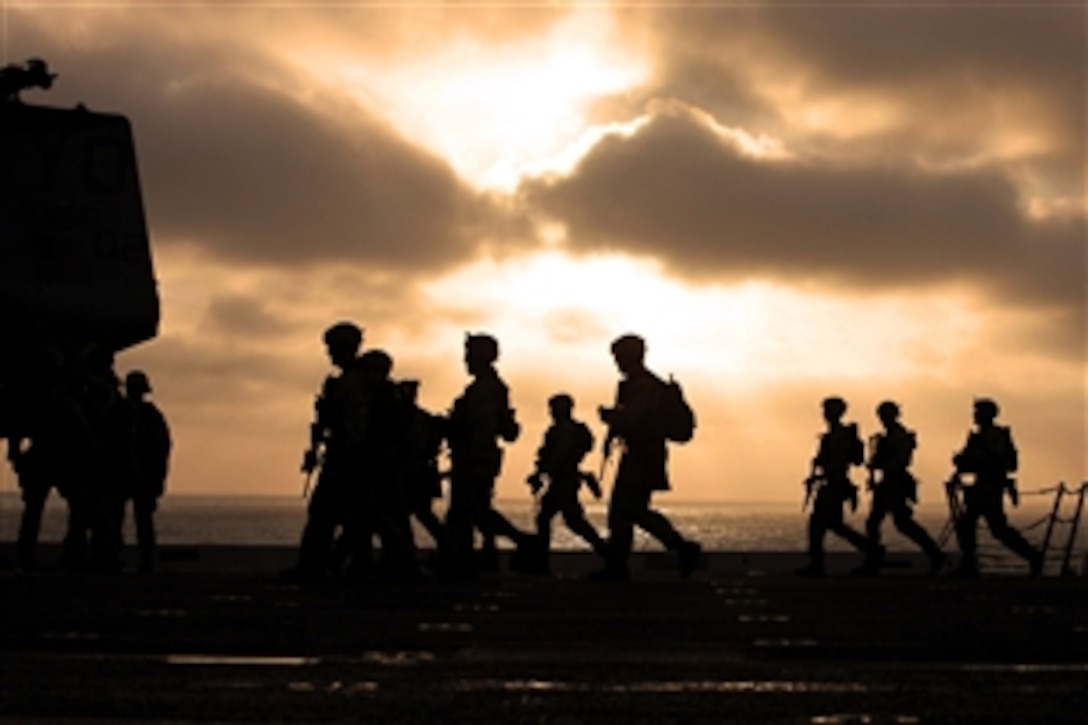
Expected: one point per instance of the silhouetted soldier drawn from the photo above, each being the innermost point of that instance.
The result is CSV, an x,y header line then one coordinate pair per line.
x,y
423,482
52,449
640,419
103,405
566,443
840,448
336,446
991,456
895,489
480,418
149,460
14,79
382,510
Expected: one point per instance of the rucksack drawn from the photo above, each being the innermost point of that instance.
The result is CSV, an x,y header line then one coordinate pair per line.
x,y
677,417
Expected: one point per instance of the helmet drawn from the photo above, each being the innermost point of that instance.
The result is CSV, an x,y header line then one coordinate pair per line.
x,y
888,409
344,334
377,361
629,346
986,408
834,405
561,401
136,382
482,346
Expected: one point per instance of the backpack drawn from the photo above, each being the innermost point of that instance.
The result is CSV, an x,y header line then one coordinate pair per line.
x,y
677,417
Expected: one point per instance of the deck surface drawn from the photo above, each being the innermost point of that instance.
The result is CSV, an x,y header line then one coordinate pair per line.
x,y
216,635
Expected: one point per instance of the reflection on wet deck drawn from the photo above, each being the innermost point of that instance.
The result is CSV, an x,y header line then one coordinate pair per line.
x,y
667,686
730,648
240,660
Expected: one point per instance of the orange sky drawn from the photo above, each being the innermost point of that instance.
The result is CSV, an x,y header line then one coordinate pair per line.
x,y
786,201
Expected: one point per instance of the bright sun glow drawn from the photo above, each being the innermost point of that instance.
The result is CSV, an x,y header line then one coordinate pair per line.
x,y
567,310
497,112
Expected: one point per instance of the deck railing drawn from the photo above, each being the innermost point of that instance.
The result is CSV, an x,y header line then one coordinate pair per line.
x,y
1058,553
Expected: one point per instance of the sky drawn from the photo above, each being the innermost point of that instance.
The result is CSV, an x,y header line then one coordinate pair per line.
x,y
787,200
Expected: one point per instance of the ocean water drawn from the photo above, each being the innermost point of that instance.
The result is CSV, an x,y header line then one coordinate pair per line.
x,y
719,526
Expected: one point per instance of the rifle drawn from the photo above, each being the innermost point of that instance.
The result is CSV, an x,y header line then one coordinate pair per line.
x,y
312,457
1012,491
591,482
870,478
606,452
811,483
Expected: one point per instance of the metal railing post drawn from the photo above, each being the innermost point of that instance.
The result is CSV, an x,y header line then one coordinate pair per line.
x,y
1074,524
1053,516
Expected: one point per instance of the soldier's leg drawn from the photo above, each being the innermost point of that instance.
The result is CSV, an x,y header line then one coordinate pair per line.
x,y
393,525
458,524
832,517
35,495
494,524
489,523
1007,535
107,512
544,516
575,518
425,515
658,526
143,511
967,532
876,517
903,518
825,510
623,509
470,499
74,548
324,514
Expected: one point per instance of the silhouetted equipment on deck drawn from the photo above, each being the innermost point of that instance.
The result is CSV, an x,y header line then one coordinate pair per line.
x,y
14,79
75,261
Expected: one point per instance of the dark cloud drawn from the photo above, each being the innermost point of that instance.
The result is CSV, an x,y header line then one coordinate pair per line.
x,y
255,171
680,192
959,75
239,315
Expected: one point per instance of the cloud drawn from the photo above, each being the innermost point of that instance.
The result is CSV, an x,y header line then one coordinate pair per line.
x,y
232,314
938,84
680,191
238,158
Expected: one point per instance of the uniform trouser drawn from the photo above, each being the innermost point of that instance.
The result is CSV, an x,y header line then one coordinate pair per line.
x,y
143,513
384,512
74,549
471,509
986,502
30,525
423,512
105,507
630,507
827,517
328,509
896,504
422,488
574,516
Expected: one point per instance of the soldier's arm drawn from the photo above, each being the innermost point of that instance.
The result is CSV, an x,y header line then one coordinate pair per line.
x,y
585,443
15,450
355,398
964,460
509,428
1013,461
